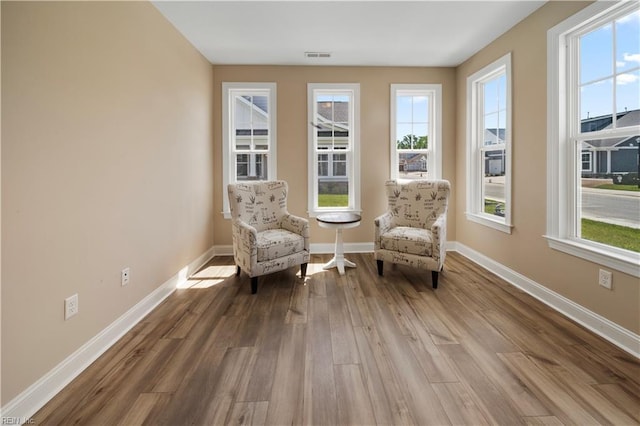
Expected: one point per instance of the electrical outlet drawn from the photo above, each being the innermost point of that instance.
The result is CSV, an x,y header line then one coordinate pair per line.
x,y
605,279
125,276
70,306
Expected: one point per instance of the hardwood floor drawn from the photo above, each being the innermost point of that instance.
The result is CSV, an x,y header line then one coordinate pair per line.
x,y
353,350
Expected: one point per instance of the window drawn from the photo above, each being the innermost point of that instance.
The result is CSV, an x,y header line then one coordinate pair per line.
x,y
586,161
415,131
249,134
334,158
593,133
489,145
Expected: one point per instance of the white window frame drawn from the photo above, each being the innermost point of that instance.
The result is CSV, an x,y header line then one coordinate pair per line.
x,y
434,147
562,167
228,149
353,152
475,147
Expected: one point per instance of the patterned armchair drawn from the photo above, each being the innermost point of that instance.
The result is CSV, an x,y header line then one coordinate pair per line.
x,y
266,238
413,230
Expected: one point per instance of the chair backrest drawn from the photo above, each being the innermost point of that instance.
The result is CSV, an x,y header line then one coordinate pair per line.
x,y
262,204
417,203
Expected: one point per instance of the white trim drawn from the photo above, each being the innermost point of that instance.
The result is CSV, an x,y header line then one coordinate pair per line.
x,y
27,403
227,161
628,264
474,147
434,91
488,220
562,169
619,336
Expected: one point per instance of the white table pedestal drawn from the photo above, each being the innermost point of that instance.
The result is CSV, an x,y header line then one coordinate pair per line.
x,y
338,221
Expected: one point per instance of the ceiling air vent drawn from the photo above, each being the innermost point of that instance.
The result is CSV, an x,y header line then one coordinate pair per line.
x,y
317,54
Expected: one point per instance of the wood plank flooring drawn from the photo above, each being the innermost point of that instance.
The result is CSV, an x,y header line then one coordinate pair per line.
x,y
357,349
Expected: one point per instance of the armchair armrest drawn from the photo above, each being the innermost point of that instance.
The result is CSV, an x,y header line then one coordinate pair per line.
x,y
245,250
382,223
297,225
439,233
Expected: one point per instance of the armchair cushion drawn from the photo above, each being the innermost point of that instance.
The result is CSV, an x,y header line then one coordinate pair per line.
x,y
275,243
405,239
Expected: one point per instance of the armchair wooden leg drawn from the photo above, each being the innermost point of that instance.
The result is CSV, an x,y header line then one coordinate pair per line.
x,y
303,270
380,267
254,285
237,271
434,278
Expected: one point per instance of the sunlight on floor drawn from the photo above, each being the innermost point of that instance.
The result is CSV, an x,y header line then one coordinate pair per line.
x,y
208,277
216,274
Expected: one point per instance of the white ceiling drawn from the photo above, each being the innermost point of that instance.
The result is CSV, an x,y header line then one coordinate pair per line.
x,y
375,33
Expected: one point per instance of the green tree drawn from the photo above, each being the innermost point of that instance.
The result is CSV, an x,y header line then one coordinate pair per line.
x,y
413,142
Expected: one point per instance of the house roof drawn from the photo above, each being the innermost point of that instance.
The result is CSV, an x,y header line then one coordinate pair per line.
x,y
497,135
624,119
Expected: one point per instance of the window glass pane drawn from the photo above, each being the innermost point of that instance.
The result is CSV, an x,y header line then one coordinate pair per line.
x,y
491,91
404,109
596,54
251,167
492,132
596,104
339,165
628,42
323,165
628,99
242,165
404,134
333,192
608,214
413,165
494,182
420,109
420,131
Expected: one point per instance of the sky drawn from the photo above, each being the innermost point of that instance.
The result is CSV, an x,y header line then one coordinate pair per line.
x,y
610,64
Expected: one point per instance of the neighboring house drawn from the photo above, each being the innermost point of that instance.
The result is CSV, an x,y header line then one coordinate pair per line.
x,y
252,133
332,124
613,155
494,160
414,162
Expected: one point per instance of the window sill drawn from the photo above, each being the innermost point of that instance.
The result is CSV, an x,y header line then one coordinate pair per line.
x,y
486,220
629,264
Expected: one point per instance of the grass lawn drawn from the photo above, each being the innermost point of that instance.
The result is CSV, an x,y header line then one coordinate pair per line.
x,y
613,235
333,200
619,187
490,206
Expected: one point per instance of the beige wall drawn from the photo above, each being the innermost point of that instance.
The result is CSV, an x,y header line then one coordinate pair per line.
x,y
374,125
526,250
106,163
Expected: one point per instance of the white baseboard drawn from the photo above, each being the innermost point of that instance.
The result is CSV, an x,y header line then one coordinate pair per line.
x,y
619,336
25,405
223,250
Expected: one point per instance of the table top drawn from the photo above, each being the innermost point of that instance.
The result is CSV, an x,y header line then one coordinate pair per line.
x,y
338,218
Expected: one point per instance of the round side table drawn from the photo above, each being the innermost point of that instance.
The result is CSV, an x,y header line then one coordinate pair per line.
x,y
338,221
